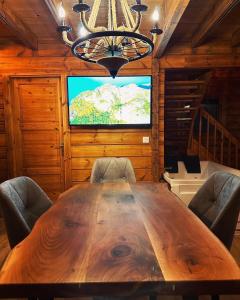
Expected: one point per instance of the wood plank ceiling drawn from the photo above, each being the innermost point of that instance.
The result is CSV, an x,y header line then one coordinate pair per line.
x,y
33,22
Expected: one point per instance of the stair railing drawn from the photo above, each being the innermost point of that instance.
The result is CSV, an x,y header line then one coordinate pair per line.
x,y
213,141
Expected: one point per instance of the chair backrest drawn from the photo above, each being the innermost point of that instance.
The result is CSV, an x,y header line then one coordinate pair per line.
x,y
112,169
22,202
217,204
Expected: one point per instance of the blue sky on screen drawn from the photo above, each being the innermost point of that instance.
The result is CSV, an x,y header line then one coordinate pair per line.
x,y
77,85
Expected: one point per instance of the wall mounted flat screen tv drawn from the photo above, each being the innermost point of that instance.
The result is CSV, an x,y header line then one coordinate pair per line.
x,y
107,102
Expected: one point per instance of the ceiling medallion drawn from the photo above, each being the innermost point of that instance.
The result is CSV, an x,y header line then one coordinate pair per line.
x,y
115,45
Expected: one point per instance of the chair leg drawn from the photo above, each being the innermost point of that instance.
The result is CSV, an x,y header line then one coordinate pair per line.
x,y
215,297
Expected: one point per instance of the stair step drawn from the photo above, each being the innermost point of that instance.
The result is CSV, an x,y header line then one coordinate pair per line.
x,y
180,114
175,109
182,97
182,87
184,119
185,82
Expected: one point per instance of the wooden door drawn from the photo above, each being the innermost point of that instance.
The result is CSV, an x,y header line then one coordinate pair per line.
x,y
36,132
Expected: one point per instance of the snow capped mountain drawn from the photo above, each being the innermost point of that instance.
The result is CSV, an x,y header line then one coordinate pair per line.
x,y
127,104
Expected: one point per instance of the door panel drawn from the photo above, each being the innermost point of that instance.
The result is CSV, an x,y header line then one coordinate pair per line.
x,y
37,132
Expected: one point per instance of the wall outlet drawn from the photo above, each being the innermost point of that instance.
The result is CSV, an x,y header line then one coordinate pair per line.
x,y
146,140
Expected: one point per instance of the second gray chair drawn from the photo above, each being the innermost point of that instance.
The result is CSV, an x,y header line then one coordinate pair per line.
x,y
217,204
112,169
22,202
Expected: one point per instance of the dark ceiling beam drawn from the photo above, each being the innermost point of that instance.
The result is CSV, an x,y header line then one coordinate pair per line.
x,y
54,12
171,21
17,27
215,17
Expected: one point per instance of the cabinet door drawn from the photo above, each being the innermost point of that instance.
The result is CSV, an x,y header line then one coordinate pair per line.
x,y
36,132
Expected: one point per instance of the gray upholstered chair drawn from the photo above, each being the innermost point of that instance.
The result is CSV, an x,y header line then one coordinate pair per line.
x,y
217,204
22,202
112,169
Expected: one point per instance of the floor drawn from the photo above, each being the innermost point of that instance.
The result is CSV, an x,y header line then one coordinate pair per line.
x,y
4,249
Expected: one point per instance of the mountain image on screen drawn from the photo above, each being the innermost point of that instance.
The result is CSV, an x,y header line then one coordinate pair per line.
x,y
109,104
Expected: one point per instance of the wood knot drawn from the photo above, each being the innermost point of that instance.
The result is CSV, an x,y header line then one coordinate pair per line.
x,y
121,251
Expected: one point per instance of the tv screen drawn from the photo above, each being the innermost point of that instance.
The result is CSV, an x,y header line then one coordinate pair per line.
x,y
107,102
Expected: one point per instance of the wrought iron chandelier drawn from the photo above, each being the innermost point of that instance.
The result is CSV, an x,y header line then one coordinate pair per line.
x,y
115,45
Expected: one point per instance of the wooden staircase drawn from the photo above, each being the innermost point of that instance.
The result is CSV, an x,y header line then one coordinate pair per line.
x,y
183,98
212,141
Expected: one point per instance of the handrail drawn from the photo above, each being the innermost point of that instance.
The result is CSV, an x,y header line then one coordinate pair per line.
x,y
223,142
206,78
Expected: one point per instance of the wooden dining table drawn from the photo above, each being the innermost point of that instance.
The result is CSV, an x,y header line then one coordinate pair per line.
x,y
119,239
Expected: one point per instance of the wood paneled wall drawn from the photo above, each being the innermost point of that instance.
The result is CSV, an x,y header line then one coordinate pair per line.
x,y
83,146
224,88
87,145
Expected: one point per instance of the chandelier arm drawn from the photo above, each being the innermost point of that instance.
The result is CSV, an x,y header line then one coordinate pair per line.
x,y
66,39
138,22
84,22
155,36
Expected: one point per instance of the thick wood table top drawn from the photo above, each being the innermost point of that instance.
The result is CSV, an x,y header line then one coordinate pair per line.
x,y
119,239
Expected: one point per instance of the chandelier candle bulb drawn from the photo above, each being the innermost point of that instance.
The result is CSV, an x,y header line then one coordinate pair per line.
x,y
156,15
61,12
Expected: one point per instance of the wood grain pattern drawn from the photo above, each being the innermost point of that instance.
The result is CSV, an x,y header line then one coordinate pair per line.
x,y
16,25
119,239
181,242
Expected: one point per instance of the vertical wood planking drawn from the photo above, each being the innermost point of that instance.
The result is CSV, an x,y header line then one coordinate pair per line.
x,y
66,136
155,120
161,118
